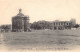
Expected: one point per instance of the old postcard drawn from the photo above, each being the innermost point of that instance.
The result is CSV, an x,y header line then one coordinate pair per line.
x,y
39,25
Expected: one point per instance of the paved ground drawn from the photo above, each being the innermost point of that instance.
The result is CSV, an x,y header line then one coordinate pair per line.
x,y
42,38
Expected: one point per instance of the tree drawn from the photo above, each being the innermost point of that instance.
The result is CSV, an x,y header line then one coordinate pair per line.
x,y
6,28
41,25
76,26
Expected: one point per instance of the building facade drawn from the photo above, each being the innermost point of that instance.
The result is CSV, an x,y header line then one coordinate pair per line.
x,y
61,25
20,22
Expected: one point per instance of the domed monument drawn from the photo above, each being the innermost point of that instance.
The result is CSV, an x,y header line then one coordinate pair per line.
x,y
20,22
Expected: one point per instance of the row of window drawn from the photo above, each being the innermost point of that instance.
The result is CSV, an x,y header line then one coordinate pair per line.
x,y
61,23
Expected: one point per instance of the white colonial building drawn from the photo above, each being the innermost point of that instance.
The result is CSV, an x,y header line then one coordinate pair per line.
x,y
61,25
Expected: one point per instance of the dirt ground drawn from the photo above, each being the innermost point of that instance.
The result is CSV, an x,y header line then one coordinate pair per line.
x,y
63,39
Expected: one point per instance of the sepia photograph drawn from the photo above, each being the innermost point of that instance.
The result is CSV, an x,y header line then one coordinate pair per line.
x,y
39,25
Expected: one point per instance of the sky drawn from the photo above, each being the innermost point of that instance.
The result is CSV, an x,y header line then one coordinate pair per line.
x,y
48,10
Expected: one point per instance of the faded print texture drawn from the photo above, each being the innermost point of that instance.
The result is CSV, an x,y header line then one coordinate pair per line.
x,y
39,25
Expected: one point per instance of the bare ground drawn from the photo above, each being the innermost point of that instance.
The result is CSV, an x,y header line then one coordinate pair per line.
x,y
42,38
